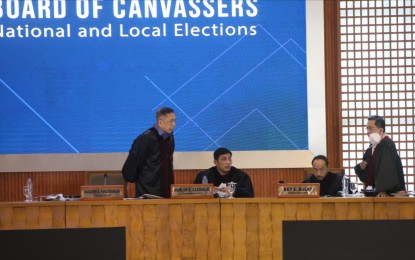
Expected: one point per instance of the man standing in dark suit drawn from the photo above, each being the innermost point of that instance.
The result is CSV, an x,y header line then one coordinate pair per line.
x,y
150,161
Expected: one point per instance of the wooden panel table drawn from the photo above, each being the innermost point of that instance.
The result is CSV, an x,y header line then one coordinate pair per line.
x,y
252,228
201,228
33,215
156,229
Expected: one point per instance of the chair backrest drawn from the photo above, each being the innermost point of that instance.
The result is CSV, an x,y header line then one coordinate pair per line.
x,y
106,178
309,171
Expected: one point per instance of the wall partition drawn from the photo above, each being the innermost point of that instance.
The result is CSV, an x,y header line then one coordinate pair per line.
x,y
376,56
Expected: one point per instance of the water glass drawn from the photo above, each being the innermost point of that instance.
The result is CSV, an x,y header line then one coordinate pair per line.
x,y
353,187
27,191
231,186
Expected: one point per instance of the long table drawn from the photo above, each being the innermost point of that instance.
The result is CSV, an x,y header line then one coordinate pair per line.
x,y
200,228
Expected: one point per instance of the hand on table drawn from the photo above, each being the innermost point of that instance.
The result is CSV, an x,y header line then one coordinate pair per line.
x,y
382,194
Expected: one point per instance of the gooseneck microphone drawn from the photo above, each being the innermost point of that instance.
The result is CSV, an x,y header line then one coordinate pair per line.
x,y
105,179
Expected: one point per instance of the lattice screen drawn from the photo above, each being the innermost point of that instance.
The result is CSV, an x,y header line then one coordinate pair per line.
x,y
377,76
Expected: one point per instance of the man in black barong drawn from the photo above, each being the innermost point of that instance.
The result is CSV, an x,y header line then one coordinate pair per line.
x,y
150,161
381,168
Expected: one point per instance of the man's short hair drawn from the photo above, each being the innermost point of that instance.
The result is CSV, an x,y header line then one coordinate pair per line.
x,y
163,111
220,151
379,121
320,157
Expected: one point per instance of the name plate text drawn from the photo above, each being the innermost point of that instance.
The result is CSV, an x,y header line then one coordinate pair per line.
x,y
298,190
102,192
191,191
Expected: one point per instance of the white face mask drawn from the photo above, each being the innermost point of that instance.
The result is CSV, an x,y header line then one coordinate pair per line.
x,y
374,138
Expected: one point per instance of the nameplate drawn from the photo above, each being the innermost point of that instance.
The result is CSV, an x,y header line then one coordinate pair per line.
x,y
298,190
191,191
102,192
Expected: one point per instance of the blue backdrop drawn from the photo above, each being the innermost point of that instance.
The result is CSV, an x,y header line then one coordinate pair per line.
x,y
81,84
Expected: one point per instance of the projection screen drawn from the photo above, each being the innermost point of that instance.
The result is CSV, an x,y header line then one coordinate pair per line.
x,y
79,80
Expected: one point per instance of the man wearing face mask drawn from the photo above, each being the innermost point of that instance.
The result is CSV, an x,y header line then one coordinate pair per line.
x,y
381,167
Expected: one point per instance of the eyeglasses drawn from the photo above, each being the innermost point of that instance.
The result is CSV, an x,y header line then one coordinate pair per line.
x,y
171,121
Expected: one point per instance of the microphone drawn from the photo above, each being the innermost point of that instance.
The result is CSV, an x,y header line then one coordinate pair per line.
x,y
105,179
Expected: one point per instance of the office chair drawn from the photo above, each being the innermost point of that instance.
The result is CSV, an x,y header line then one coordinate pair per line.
x,y
106,178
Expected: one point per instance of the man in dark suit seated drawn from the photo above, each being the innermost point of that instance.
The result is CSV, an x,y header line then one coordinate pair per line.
x,y
330,183
223,172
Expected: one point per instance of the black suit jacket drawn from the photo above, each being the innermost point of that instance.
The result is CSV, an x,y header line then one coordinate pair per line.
x,y
330,185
